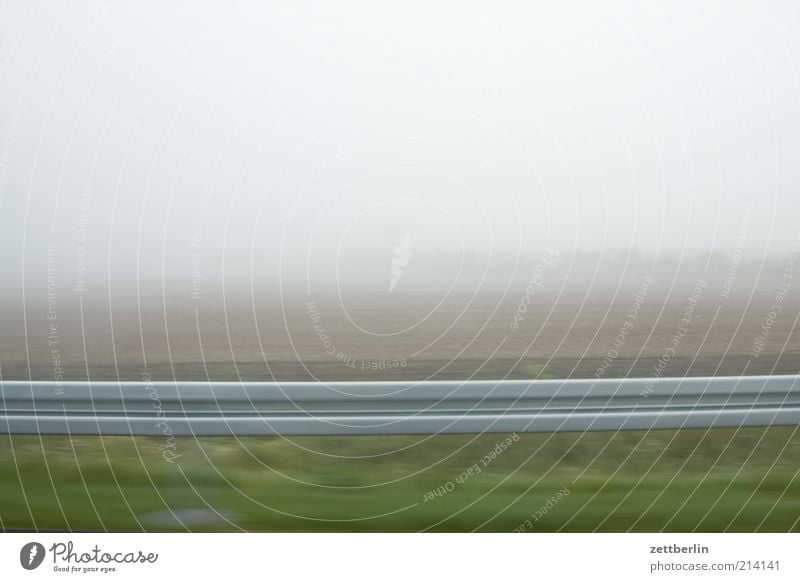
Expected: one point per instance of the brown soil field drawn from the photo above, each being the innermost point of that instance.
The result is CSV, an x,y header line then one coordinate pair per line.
x,y
435,334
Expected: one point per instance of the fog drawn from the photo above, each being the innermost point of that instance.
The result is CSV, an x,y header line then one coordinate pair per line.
x,y
179,147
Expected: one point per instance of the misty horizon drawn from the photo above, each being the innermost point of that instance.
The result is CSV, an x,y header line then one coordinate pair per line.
x,y
146,155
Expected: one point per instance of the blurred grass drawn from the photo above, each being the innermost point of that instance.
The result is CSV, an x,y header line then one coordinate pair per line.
x,y
735,480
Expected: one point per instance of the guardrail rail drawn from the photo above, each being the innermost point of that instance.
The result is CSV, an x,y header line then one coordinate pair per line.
x,y
380,408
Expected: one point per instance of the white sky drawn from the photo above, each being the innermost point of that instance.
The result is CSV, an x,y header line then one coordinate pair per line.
x,y
287,137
